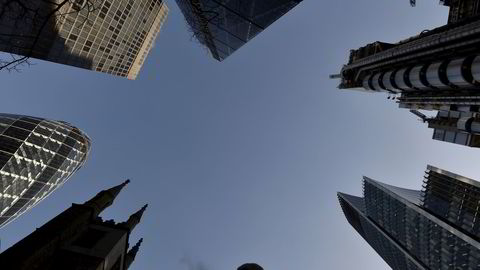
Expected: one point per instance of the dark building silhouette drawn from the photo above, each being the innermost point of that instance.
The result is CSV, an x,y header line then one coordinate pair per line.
x,y
435,228
436,70
78,239
37,156
250,266
224,26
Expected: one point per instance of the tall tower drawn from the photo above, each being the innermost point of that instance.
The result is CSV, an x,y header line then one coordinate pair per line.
x,y
435,228
436,70
36,157
78,239
224,26
110,36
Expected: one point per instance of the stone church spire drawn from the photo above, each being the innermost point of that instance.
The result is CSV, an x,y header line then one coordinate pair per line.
x,y
105,198
132,253
134,219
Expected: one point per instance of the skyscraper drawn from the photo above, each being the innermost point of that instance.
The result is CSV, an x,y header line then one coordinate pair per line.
x,y
436,70
36,157
224,26
78,239
436,228
110,36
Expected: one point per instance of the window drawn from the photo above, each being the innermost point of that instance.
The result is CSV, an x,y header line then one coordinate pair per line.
x,y
450,136
438,134
462,138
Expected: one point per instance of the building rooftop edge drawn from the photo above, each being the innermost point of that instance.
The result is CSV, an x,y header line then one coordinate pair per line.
x,y
455,176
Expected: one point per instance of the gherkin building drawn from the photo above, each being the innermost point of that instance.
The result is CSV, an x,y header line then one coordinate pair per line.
x,y
36,157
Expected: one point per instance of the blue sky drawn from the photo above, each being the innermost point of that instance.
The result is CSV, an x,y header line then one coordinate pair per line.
x,y
241,160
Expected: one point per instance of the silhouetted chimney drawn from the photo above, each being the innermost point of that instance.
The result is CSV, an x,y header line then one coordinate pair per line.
x,y
250,266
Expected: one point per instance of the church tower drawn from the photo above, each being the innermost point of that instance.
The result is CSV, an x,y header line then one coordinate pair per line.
x,y
78,238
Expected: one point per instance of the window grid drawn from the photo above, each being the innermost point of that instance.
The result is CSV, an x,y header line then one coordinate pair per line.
x,y
36,157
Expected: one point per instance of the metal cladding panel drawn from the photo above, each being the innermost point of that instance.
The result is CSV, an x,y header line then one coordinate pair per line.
x,y
400,77
416,78
387,80
455,73
376,82
475,127
433,76
36,157
366,82
476,69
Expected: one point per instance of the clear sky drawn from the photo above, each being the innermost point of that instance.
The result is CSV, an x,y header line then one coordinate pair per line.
x,y
241,160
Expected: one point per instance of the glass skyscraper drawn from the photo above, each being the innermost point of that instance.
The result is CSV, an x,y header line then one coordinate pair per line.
x,y
435,228
224,26
36,157
110,36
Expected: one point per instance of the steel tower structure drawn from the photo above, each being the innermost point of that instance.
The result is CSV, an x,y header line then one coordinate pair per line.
x,y
436,70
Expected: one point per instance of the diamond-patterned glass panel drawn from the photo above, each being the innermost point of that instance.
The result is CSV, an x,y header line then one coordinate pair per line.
x,y
36,157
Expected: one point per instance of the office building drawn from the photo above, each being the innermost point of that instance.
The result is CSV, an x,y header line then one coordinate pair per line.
x,y
225,26
78,239
36,157
437,70
110,36
435,228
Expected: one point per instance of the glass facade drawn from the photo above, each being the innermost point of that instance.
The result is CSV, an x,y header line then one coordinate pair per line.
x,y
430,229
110,36
36,157
224,26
